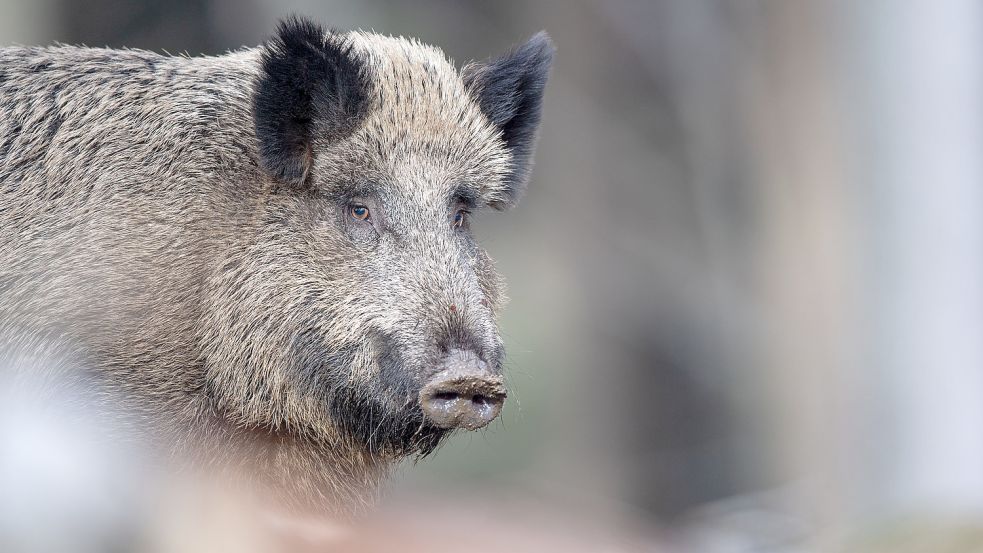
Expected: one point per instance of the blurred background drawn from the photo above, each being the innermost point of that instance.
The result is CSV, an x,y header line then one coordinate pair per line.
x,y
747,279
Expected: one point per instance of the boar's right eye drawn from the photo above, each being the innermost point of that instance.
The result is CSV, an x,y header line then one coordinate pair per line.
x,y
359,212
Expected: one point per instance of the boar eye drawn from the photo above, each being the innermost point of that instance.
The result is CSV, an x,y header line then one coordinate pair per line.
x,y
460,216
359,212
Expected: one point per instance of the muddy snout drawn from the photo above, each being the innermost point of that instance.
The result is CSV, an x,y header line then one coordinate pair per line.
x,y
465,394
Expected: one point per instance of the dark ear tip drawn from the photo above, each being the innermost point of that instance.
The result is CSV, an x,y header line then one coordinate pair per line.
x,y
294,29
539,49
541,44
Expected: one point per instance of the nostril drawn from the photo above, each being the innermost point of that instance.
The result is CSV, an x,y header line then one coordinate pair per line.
x,y
480,400
446,396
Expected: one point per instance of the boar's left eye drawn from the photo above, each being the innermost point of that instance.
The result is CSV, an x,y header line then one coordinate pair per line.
x,y
460,216
359,212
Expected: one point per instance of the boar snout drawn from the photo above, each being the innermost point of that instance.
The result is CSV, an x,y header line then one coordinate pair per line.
x,y
466,393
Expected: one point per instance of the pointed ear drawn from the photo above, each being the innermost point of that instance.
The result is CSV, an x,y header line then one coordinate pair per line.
x,y
311,85
510,92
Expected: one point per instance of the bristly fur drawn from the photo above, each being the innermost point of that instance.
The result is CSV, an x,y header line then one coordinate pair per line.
x,y
310,85
182,227
510,92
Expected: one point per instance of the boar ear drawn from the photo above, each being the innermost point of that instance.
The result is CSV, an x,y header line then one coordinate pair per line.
x,y
510,92
311,85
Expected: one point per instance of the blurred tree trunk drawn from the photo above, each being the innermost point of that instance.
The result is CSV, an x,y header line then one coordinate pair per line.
x,y
915,75
869,131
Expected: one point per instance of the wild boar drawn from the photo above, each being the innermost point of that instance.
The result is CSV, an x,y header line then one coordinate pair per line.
x,y
268,250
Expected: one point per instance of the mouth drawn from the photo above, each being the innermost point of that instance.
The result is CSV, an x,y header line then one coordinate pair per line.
x,y
402,412
383,428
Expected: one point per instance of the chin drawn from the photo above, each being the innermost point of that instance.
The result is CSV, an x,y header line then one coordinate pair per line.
x,y
382,427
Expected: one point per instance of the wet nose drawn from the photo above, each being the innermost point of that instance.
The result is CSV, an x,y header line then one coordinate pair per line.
x,y
466,393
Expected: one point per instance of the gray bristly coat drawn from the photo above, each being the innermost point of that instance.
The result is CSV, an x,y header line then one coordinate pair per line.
x,y
190,232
